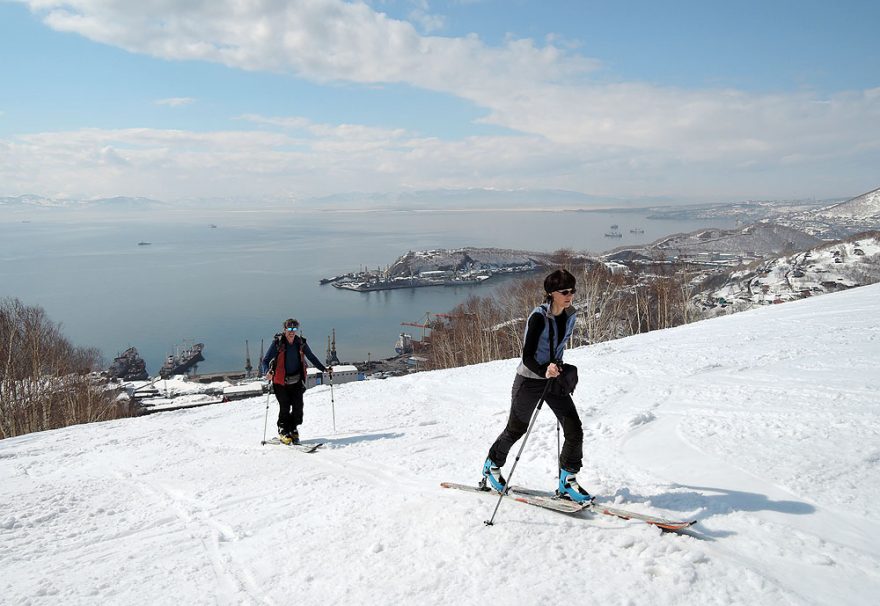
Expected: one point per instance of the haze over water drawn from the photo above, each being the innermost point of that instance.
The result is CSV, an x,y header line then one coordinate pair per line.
x,y
240,280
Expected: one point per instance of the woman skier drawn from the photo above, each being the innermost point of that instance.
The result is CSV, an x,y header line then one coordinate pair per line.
x,y
548,328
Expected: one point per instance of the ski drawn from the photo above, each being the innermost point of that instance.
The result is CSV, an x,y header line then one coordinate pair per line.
x,y
625,514
306,448
662,523
546,502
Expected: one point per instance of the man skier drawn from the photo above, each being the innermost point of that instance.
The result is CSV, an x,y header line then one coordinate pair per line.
x,y
285,367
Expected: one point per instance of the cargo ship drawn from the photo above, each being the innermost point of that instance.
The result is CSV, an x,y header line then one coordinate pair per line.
x,y
185,359
128,366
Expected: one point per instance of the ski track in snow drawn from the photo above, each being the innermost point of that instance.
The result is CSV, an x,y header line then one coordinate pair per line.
x,y
763,425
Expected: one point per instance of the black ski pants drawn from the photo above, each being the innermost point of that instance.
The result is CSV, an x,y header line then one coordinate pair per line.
x,y
524,398
290,406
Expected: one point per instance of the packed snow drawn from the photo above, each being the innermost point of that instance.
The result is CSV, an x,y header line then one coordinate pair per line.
x,y
762,425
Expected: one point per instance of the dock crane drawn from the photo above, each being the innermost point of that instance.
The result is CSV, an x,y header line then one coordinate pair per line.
x,y
248,367
425,324
331,358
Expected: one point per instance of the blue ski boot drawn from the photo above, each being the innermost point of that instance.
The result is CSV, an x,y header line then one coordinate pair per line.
x,y
492,475
569,488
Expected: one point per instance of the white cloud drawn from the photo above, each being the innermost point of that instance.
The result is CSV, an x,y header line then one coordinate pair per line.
x,y
624,138
542,90
293,156
315,159
323,40
346,132
428,21
176,101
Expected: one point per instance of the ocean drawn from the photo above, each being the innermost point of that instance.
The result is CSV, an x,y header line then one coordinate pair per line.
x,y
225,277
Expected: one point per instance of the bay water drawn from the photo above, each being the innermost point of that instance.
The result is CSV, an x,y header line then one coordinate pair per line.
x,y
221,277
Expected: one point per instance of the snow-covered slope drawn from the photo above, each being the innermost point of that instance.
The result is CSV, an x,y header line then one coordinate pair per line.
x,y
764,425
858,214
865,207
827,268
758,240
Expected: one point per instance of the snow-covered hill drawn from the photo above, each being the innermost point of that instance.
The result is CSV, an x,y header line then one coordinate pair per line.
x,y
721,246
764,425
829,219
865,207
747,211
827,268
836,221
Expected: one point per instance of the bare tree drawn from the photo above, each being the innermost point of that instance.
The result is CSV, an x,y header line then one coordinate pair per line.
x,y
612,305
44,379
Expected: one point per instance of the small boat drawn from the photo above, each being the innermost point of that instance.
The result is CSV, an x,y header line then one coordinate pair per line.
x,y
613,234
144,243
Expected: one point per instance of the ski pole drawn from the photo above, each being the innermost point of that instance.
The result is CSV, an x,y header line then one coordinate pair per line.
x,y
266,418
332,401
507,486
558,452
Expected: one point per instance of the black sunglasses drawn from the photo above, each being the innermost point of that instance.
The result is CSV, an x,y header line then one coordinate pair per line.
x,y
567,291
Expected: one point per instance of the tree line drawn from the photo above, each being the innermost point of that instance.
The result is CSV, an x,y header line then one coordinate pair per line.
x,y
45,381
612,305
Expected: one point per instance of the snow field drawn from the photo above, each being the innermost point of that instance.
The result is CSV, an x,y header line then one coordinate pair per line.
x,y
764,425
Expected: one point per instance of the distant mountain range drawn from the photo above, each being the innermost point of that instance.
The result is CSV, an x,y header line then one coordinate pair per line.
x,y
818,217
437,199
116,202
479,198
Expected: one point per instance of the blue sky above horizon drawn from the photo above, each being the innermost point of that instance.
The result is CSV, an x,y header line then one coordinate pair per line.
x,y
692,100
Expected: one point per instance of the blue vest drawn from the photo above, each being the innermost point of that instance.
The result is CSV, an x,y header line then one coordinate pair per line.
x,y
542,355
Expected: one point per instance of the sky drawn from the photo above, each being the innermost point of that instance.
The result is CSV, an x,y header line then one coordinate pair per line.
x,y
302,99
